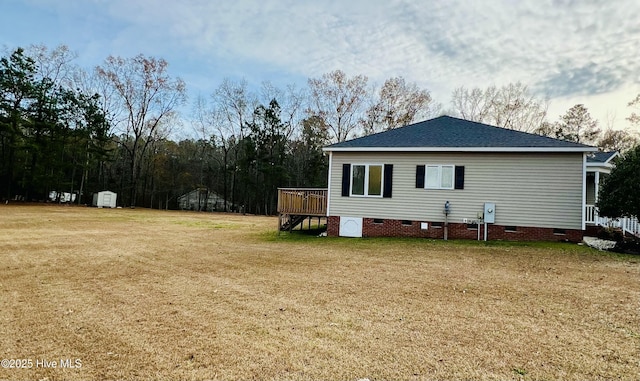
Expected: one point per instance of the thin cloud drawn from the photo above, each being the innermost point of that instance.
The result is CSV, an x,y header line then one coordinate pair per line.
x,y
589,79
564,49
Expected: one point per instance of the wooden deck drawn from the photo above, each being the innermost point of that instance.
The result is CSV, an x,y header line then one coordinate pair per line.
x,y
303,201
297,204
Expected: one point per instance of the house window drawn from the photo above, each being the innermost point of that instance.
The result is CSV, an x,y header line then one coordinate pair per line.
x,y
366,180
362,180
439,177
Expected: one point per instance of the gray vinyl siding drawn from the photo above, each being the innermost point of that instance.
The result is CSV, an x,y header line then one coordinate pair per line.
x,y
529,189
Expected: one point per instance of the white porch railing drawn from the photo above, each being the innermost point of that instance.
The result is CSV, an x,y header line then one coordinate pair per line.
x,y
590,214
629,225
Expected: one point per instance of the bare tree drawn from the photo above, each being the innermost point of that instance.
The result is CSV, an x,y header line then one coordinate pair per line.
x,y
398,104
148,97
634,118
618,140
339,101
510,106
233,104
203,119
547,129
204,123
233,101
475,104
55,64
109,101
291,101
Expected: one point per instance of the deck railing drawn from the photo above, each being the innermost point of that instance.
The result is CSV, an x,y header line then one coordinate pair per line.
x,y
302,201
628,225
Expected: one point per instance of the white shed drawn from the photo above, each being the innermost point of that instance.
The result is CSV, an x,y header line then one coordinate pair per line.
x,y
105,199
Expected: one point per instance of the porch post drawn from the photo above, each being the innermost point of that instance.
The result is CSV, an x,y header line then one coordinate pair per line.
x,y
596,216
584,190
597,181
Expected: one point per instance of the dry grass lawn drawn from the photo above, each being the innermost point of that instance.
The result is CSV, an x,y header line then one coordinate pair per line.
x,y
142,294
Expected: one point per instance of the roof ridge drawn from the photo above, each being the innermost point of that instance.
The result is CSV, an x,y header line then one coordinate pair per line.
x,y
449,132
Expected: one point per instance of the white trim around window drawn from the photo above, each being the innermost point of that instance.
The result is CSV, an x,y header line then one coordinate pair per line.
x,y
438,176
368,184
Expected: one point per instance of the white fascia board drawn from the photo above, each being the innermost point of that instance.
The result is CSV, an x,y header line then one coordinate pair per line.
x,y
603,166
461,149
616,154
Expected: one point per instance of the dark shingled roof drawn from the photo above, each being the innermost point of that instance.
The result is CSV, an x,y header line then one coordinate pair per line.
x,y
449,132
600,157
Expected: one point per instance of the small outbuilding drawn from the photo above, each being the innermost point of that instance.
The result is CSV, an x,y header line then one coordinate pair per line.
x,y
202,199
105,199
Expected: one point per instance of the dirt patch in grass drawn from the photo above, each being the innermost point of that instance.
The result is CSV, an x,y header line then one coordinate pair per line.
x,y
142,294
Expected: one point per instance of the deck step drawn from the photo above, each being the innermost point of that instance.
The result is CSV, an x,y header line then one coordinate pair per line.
x,y
292,222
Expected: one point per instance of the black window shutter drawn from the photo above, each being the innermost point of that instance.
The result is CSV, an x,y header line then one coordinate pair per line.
x,y
459,180
346,179
388,180
420,176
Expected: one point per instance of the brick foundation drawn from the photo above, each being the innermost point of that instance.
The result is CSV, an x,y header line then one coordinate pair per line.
x,y
593,230
398,228
333,226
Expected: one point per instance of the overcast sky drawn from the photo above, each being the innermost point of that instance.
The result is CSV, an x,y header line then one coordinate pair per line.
x,y
567,51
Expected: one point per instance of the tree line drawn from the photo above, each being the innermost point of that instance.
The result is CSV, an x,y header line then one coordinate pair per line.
x,y
65,129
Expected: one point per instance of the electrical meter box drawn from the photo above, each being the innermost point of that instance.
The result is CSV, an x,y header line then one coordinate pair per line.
x,y
490,212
